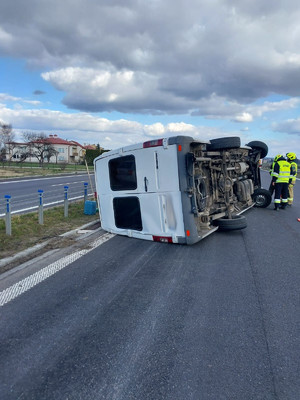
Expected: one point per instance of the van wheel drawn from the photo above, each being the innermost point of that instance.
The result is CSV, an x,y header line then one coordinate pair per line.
x,y
235,223
261,146
262,198
233,142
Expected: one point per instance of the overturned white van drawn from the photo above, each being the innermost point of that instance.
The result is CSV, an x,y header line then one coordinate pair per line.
x,y
177,189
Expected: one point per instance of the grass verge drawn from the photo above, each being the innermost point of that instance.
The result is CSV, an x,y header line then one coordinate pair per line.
x,y
27,232
21,171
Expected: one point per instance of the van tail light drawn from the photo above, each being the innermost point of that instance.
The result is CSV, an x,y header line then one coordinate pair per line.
x,y
162,239
153,143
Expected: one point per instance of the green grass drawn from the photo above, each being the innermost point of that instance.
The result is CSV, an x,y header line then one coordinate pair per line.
x,y
27,232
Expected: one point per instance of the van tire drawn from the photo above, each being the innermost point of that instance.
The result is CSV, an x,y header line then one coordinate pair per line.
x,y
233,142
262,198
261,146
235,223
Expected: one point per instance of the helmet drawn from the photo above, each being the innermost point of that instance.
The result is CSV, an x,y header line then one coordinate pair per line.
x,y
277,157
291,156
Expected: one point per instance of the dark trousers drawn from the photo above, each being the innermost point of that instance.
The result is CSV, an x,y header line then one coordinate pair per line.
x,y
281,192
271,188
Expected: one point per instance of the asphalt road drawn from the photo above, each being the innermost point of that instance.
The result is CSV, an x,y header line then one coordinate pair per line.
x,y
133,319
24,191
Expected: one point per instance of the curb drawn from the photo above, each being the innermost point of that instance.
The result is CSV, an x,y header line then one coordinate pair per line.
x,y
72,232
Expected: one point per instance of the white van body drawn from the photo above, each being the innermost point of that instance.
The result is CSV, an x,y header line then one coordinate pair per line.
x,y
151,190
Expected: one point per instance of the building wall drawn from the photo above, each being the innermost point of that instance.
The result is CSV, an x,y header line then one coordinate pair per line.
x,y
69,154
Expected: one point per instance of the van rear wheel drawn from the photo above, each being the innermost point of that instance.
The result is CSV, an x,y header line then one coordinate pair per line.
x,y
231,224
260,146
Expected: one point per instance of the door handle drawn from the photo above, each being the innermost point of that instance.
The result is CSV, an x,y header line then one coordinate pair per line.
x,y
146,184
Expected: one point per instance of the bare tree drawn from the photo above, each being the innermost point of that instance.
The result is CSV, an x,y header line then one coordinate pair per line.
x,y
39,146
52,152
7,141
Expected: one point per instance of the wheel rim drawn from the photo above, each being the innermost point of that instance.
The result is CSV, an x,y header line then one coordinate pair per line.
x,y
260,200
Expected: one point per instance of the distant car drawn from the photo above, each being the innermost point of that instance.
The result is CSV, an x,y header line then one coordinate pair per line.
x,y
179,190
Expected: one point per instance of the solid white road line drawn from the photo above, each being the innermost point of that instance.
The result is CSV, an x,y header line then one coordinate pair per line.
x,y
18,288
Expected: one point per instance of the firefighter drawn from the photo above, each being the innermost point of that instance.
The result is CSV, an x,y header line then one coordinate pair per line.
x,y
272,187
280,180
291,158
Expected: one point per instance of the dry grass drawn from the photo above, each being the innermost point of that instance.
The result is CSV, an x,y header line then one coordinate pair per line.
x,y
23,170
27,232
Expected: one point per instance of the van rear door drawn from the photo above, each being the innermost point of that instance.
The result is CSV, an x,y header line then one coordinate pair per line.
x,y
157,169
140,192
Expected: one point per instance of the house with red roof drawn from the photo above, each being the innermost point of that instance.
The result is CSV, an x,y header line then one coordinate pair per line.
x,y
66,151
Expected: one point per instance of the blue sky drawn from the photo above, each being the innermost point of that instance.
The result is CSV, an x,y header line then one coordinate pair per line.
x,y
122,72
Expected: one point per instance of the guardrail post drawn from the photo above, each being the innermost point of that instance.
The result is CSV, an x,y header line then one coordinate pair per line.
x,y
85,191
41,211
66,205
8,215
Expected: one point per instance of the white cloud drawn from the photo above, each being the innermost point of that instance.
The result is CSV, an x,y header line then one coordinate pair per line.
x,y
216,60
180,127
128,57
157,129
6,97
85,127
268,106
278,146
290,126
244,117
102,89
5,38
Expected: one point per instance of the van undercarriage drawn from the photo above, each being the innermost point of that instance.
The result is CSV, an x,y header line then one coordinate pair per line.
x,y
222,184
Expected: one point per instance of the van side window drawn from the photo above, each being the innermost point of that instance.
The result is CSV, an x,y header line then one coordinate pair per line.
x,y
127,213
122,173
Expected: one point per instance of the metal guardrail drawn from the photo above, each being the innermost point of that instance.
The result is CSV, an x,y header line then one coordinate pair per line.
x,y
40,206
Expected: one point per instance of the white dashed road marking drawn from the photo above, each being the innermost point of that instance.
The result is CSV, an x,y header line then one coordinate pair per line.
x,y
18,288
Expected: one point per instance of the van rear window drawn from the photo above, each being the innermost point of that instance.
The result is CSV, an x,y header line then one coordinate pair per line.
x,y
122,173
127,213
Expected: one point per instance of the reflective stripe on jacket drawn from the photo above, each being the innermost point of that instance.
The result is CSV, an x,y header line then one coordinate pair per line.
x,y
282,171
272,168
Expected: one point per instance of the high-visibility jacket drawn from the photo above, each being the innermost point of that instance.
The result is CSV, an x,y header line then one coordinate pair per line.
x,y
294,168
272,168
282,171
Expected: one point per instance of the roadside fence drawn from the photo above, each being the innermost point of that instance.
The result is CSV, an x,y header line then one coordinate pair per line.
x,y
40,207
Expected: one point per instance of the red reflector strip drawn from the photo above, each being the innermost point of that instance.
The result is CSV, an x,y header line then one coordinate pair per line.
x,y
188,233
179,147
162,239
153,143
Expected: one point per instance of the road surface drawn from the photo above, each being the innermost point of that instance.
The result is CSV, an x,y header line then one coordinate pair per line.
x,y
131,319
24,191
